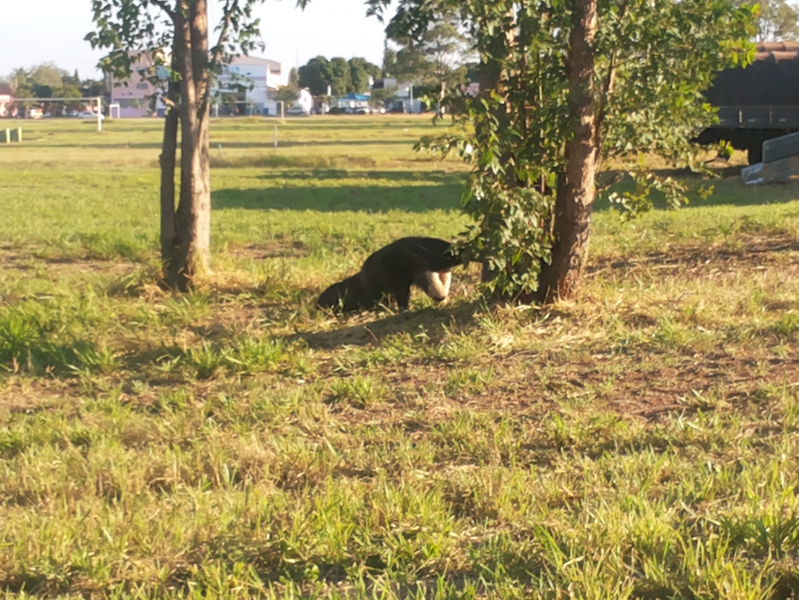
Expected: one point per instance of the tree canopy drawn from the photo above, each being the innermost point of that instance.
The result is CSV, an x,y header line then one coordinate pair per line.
x,y
433,56
175,35
47,81
340,75
566,87
778,21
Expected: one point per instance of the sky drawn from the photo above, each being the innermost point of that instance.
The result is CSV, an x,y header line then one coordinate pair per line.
x,y
38,31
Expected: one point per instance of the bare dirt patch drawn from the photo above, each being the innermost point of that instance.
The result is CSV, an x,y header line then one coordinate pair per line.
x,y
523,387
27,259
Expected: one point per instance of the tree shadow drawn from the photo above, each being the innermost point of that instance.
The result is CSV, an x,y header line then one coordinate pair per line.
x,y
442,177
270,144
435,320
749,251
728,189
340,198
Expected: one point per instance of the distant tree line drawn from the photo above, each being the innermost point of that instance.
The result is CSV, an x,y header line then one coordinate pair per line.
x,y
48,81
434,60
340,75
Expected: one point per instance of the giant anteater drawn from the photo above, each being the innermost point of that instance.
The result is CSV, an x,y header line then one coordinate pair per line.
x,y
389,272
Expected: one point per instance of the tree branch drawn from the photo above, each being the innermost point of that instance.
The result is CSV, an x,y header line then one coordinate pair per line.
x,y
162,4
607,89
230,7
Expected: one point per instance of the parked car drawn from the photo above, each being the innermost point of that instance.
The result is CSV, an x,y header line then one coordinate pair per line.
x,y
92,116
363,110
296,111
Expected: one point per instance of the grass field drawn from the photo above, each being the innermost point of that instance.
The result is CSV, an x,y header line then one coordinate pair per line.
x,y
639,442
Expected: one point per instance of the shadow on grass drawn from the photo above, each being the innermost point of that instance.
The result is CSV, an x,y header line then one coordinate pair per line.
x,y
436,322
367,198
751,250
442,177
269,144
728,190
248,145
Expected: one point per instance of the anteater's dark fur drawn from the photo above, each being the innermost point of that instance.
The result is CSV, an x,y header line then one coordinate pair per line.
x,y
388,274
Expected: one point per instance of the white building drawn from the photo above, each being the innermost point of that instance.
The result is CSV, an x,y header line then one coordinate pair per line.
x,y
304,101
249,80
136,96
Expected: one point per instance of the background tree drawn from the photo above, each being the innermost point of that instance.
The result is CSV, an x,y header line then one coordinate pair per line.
x,y
175,35
380,96
389,60
46,74
316,75
286,94
340,78
294,77
361,70
91,88
18,78
433,56
68,91
409,64
42,91
567,85
340,75
778,21
67,79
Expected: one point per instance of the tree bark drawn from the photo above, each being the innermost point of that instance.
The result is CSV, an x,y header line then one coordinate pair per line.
x,y
190,255
576,186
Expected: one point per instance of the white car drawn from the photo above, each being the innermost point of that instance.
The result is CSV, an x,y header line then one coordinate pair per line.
x,y
90,116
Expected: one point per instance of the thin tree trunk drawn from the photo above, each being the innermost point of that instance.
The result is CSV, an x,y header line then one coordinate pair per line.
x,y
202,166
193,217
576,187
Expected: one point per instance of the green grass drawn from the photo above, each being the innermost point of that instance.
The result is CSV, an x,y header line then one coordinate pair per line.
x,y
641,441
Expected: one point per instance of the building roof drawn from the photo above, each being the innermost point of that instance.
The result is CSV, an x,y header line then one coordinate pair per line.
x,y
771,80
777,51
255,60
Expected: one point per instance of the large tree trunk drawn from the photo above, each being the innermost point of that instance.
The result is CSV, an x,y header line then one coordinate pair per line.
x,y
193,217
576,188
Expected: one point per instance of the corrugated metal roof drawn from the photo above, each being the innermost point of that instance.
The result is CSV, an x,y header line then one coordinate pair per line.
x,y
777,51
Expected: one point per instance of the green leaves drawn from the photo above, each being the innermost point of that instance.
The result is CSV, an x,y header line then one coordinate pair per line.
x,y
654,59
131,29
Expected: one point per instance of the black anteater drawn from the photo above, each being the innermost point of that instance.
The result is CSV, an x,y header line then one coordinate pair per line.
x,y
388,274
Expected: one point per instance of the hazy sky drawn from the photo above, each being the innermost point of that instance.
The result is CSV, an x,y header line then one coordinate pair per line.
x,y
36,31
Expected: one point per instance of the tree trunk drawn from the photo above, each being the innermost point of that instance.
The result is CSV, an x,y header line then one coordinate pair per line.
x,y
193,217
576,188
